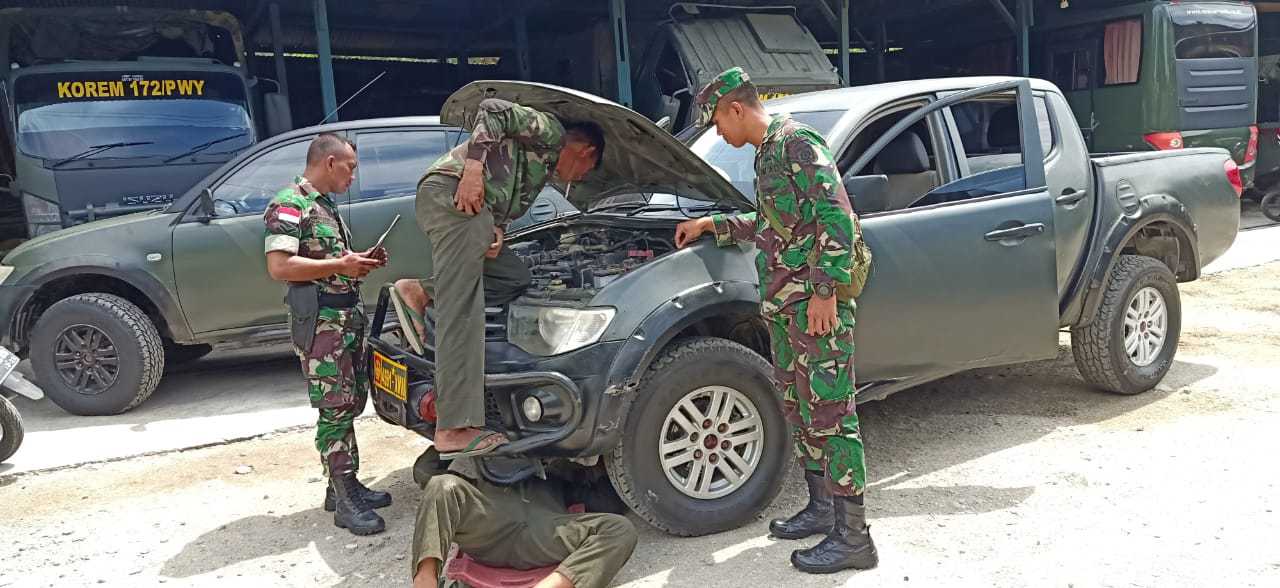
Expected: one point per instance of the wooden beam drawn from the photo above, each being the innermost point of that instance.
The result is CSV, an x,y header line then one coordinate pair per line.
x,y
1005,14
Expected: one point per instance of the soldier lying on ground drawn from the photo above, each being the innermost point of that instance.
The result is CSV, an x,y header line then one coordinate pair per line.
x,y
522,526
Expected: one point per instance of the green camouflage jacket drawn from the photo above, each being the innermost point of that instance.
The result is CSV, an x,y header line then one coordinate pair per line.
x,y
304,222
519,147
810,240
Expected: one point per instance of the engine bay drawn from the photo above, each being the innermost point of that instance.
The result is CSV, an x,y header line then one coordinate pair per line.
x,y
574,263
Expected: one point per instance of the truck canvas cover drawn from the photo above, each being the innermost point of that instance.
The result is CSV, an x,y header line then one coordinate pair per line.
x,y
34,36
779,53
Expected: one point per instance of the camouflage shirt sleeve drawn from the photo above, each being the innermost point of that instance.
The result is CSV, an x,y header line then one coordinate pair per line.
x,y
824,210
732,229
497,120
283,218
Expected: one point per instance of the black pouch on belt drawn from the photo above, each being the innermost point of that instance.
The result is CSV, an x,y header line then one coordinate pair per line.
x,y
304,310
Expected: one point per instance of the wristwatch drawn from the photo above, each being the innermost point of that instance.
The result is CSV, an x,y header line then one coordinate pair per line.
x,y
824,290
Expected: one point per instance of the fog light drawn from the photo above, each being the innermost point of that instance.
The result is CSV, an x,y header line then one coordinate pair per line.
x,y
532,408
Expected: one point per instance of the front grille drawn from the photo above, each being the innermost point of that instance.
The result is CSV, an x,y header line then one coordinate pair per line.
x,y
495,323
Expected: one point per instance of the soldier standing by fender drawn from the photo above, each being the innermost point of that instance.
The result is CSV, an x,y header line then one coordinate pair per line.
x,y
307,245
812,263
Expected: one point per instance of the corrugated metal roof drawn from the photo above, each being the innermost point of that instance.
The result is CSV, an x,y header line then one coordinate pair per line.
x,y
714,45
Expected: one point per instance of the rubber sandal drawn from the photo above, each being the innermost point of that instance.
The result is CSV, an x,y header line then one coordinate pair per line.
x,y
471,451
409,318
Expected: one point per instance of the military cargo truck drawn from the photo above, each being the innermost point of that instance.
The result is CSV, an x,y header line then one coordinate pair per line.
x,y
107,111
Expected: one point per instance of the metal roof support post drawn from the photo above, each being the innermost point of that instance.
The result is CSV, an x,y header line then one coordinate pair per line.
x,y
621,50
844,43
277,48
1025,20
882,50
522,44
328,94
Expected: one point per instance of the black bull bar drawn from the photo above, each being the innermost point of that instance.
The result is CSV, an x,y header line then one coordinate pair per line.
x,y
520,446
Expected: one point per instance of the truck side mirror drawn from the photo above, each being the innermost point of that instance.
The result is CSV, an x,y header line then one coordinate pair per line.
x,y
665,123
279,116
204,208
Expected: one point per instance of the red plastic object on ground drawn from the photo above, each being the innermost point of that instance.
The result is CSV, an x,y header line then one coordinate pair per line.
x,y
462,568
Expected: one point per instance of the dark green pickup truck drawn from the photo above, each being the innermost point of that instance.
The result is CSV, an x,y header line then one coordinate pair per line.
x,y
992,228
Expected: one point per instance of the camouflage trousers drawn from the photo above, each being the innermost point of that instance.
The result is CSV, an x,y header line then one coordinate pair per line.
x,y
336,380
815,377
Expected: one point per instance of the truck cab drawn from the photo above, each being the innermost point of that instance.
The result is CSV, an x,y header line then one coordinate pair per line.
x,y
93,129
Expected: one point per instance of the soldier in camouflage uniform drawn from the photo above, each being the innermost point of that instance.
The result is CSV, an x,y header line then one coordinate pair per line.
x,y
465,201
804,232
308,246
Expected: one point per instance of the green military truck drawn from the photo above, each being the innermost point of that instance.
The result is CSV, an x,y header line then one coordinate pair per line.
x,y
699,41
1159,75
107,111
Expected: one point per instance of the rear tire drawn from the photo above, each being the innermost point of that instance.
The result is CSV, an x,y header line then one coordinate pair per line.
x,y
96,354
1119,351
694,373
10,429
1270,205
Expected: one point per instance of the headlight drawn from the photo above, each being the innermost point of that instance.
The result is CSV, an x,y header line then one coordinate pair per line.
x,y
549,330
5,270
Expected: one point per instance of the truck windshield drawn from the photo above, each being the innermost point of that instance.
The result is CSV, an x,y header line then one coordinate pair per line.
x,y
154,116
738,165
1203,31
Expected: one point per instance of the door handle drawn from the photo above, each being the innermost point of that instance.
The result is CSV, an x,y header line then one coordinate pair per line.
x,y
1070,196
1021,232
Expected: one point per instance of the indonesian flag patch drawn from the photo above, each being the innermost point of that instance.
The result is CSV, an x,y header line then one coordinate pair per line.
x,y
289,215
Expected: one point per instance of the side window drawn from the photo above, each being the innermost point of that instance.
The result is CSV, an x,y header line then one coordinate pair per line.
x,y
250,189
909,162
392,162
1072,68
991,135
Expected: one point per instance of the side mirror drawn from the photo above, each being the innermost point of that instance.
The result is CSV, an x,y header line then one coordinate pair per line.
x,y
868,193
665,123
204,207
279,116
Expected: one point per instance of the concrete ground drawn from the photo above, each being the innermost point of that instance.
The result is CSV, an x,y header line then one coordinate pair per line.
x,y
1010,477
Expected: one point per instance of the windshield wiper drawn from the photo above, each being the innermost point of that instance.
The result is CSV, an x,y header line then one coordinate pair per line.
x,y
618,205
207,144
668,207
96,149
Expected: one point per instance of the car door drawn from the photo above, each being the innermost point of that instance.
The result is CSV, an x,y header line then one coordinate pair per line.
x,y
965,282
391,163
219,264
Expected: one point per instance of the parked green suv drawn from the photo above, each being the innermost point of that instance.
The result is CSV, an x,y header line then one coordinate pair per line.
x,y
102,308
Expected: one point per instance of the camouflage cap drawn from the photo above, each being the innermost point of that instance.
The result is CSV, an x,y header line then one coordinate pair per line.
x,y
709,96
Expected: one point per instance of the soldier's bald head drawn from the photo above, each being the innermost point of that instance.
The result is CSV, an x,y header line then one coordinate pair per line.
x,y
327,144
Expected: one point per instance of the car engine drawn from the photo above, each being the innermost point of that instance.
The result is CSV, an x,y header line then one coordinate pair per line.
x,y
576,263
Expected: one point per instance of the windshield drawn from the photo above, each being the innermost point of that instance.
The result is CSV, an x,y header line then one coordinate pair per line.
x,y
1213,31
738,165
152,117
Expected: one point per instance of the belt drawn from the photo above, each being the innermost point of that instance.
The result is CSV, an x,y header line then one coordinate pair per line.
x,y
347,300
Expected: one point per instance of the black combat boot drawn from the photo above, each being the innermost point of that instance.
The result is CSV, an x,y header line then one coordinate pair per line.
x,y
373,498
816,517
350,512
848,545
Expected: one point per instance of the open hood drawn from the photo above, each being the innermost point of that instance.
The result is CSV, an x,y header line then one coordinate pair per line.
x,y
639,157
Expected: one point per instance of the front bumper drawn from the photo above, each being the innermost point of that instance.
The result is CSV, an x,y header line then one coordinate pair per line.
x,y
588,422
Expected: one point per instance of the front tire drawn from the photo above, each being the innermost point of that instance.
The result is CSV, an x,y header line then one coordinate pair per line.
x,y
96,354
10,429
705,445
1129,346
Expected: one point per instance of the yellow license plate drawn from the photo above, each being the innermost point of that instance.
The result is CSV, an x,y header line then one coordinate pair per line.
x,y
390,376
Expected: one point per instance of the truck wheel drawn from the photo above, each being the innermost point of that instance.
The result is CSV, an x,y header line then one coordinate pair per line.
x,y
1270,206
10,429
96,354
705,445
1129,346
